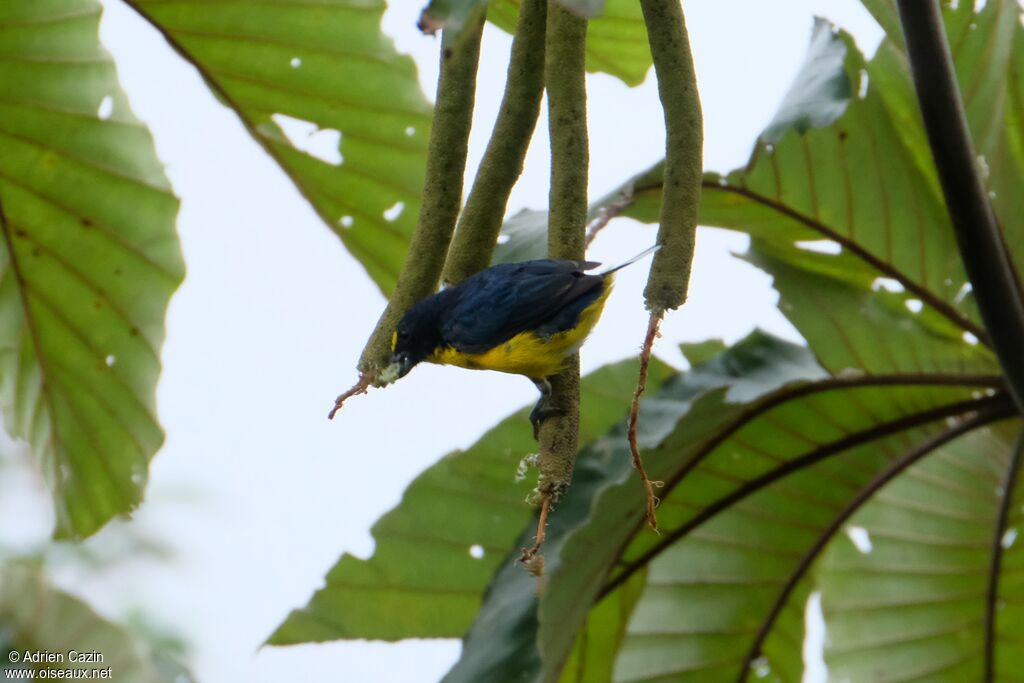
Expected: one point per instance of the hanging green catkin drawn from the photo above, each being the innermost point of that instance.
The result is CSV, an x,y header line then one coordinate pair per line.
x,y
481,219
442,191
684,144
669,278
565,78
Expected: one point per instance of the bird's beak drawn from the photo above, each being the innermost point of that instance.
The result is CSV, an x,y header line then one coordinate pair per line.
x,y
404,363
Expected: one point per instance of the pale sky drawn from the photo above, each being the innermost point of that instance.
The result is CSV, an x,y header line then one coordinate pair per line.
x,y
270,321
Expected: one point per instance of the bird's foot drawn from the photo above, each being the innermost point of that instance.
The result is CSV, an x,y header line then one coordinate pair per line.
x,y
540,413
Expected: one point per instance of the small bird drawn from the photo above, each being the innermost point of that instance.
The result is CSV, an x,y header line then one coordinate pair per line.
x,y
522,318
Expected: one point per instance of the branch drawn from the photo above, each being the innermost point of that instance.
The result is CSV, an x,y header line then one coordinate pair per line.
x,y
480,223
442,191
985,259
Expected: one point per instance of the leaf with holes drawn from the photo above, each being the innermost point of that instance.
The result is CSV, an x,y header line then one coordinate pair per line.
x,y
325,93
40,618
437,550
88,261
855,323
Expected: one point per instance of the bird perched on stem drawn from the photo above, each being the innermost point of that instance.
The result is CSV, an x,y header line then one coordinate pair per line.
x,y
522,318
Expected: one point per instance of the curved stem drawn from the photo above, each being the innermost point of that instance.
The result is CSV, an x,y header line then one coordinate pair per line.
x,y
481,219
992,593
996,287
442,191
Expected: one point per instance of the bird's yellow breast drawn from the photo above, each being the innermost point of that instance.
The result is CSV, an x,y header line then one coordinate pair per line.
x,y
529,353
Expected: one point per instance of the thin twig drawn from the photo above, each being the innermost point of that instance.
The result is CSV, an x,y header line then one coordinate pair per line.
x,y
360,387
634,417
530,557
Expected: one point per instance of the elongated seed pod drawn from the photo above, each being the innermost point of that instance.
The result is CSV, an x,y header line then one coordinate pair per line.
x,y
669,279
442,191
481,219
565,77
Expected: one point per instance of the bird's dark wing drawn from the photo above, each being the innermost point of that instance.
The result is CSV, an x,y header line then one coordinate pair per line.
x,y
498,303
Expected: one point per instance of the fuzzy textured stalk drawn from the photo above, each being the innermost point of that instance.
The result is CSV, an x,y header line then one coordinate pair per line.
x,y
994,282
565,79
442,191
634,418
684,144
480,223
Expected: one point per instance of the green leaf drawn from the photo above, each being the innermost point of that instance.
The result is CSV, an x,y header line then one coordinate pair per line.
x,y
88,261
1005,157
765,459
699,352
321,72
854,324
597,646
821,91
38,617
436,551
912,598
616,38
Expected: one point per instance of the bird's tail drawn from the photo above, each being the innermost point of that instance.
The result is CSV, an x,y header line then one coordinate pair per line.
x,y
645,252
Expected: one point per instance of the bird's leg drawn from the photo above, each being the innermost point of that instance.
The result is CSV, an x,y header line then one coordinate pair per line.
x,y
542,410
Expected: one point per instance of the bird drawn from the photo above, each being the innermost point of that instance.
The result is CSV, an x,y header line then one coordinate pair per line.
x,y
524,318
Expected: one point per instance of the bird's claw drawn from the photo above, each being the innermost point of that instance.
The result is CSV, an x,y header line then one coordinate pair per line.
x,y
542,412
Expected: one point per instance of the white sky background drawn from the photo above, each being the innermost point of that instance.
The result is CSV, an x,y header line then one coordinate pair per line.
x,y
269,323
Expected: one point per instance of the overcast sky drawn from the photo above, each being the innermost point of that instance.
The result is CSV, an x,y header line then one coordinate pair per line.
x,y
269,323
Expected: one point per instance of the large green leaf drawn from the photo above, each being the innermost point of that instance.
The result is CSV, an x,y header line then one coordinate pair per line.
x,y
36,617
319,76
914,598
741,467
436,551
88,261
758,454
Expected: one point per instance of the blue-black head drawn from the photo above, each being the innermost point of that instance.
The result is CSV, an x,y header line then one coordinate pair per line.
x,y
419,333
